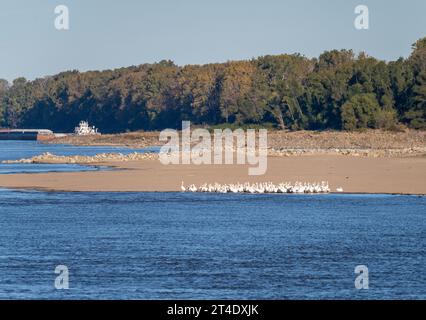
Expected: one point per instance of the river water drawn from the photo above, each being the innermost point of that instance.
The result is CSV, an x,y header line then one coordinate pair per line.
x,y
208,246
13,150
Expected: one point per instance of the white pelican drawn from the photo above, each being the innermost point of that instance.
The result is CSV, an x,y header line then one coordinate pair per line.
x,y
262,187
192,188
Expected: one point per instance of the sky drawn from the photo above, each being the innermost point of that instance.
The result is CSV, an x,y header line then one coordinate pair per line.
x,y
107,34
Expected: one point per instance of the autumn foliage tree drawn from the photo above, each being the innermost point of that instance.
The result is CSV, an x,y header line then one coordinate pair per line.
x,y
338,90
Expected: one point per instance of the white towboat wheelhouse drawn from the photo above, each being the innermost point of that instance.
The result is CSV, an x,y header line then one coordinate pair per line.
x,y
84,129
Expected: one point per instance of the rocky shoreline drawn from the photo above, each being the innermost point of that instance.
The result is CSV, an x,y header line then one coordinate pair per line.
x,y
367,139
376,153
48,158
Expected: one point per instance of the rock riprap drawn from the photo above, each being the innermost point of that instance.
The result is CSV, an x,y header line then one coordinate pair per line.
x,y
102,157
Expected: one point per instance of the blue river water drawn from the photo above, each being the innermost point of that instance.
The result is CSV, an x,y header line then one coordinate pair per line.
x,y
210,246
13,150
200,246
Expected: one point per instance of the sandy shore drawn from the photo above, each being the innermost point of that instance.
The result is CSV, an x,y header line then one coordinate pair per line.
x,y
402,175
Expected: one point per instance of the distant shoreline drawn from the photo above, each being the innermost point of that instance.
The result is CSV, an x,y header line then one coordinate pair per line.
x,y
277,139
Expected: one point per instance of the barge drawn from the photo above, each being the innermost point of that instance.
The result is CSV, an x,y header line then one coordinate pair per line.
x,y
26,134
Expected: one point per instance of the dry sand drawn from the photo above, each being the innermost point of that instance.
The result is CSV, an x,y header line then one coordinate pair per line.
x,y
402,175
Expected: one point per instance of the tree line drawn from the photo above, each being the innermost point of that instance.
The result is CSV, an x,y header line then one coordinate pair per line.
x,y
337,90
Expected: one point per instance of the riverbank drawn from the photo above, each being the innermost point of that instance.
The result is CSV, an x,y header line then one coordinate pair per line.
x,y
371,161
387,175
368,143
277,140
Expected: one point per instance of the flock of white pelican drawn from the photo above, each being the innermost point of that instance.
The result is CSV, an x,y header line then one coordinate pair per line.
x,y
264,187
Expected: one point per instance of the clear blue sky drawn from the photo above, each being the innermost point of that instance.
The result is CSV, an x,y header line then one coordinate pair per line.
x,y
109,34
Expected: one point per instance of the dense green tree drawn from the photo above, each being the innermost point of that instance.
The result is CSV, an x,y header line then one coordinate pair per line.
x,y
338,90
284,78
360,112
4,86
415,114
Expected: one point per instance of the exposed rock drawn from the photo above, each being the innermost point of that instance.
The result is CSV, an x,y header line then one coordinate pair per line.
x,y
282,152
349,152
102,157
